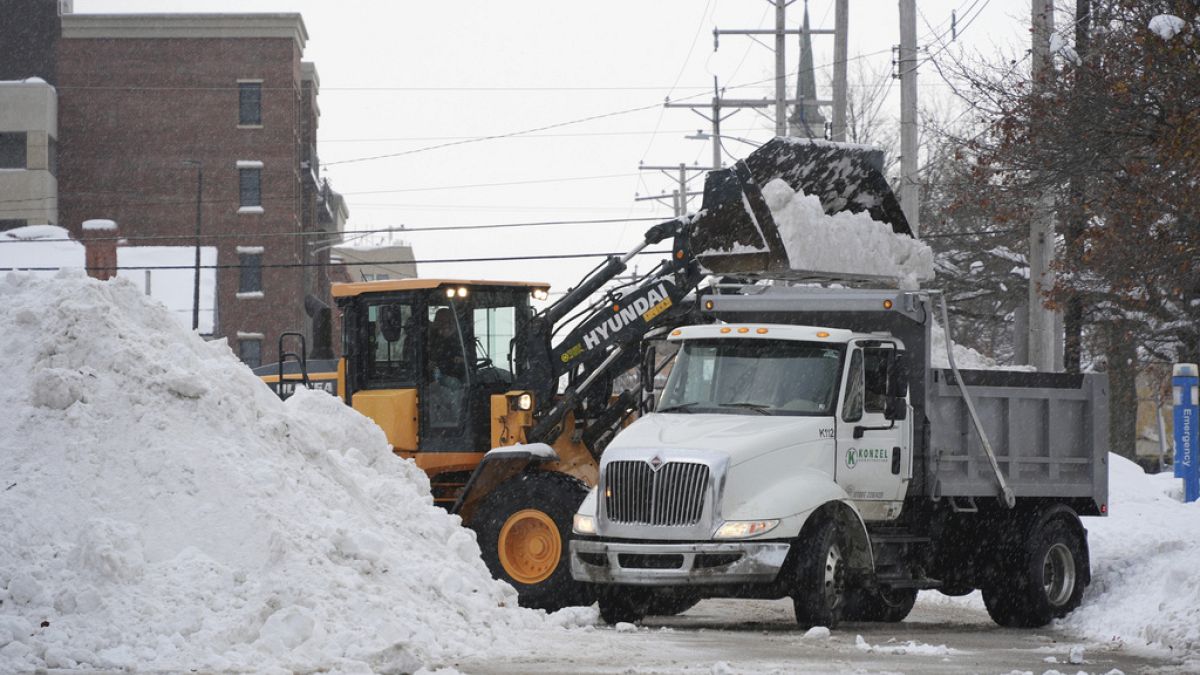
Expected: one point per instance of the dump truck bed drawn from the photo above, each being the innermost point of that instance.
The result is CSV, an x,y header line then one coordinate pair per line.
x,y
1049,432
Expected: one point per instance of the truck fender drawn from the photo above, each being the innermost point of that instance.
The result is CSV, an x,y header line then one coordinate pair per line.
x,y
497,466
859,555
796,499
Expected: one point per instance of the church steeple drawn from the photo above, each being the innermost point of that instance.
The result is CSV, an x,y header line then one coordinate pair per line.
x,y
806,119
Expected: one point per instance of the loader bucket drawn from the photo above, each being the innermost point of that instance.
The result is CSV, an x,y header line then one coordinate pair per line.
x,y
734,232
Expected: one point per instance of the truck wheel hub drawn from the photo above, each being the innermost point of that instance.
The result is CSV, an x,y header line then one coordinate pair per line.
x,y
834,581
529,546
1058,574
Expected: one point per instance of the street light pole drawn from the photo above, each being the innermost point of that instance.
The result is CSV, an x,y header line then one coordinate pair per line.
x,y
196,278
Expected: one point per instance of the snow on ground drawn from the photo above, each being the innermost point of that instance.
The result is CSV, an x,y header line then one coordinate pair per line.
x,y
163,510
1144,558
845,242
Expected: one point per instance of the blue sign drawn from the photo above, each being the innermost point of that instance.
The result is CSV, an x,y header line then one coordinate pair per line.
x,y
1185,390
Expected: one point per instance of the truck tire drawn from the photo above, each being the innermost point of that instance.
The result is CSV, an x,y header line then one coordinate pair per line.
x,y
888,605
1044,582
819,595
623,604
524,527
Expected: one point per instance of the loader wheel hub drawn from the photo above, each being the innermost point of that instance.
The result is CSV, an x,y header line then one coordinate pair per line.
x,y
529,546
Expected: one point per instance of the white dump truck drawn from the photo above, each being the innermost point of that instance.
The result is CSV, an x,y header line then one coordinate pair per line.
x,y
804,446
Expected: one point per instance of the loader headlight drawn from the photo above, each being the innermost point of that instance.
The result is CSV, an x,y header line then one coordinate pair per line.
x,y
540,294
583,524
740,529
523,402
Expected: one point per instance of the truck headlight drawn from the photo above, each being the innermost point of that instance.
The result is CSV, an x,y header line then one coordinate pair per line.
x,y
583,524
740,529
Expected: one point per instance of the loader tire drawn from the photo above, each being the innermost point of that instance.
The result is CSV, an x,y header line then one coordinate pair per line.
x,y
819,594
1044,581
888,605
524,527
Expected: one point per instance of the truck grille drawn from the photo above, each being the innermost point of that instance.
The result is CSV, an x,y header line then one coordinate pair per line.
x,y
671,496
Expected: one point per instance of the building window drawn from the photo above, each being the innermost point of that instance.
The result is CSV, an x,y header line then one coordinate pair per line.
x,y
250,187
250,103
250,351
12,150
52,155
251,273
11,223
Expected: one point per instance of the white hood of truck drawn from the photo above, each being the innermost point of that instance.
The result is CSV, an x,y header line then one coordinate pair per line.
x,y
738,437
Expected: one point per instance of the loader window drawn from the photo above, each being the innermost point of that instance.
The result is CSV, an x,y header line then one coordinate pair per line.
x,y
391,357
753,377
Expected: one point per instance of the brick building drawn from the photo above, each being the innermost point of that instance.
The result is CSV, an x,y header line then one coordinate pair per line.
x,y
156,110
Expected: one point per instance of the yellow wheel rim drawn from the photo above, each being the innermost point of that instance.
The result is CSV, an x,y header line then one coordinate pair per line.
x,y
529,546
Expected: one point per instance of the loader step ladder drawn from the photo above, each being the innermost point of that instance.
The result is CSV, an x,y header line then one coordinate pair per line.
x,y
300,358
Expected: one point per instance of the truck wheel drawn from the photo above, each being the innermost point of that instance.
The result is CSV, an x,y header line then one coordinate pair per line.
x,y
889,605
523,529
1045,583
820,592
620,604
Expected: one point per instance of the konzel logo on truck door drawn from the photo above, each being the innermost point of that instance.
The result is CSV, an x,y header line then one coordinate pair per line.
x,y
856,455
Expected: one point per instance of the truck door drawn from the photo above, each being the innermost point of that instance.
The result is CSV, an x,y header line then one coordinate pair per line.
x,y
873,464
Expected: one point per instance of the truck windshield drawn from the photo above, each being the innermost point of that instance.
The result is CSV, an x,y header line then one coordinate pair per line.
x,y
753,377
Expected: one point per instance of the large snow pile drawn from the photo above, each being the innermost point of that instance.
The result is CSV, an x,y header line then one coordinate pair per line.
x,y
1144,558
162,510
843,243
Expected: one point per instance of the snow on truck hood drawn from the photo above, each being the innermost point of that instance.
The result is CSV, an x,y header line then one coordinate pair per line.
x,y
739,437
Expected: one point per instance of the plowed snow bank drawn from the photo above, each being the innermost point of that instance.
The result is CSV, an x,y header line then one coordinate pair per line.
x,y
162,510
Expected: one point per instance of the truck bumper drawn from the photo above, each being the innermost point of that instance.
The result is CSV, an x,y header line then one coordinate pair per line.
x,y
677,564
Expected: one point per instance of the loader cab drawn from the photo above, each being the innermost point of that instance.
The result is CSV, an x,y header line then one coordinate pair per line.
x,y
424,356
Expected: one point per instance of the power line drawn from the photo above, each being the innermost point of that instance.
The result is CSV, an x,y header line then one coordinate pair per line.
x,y
430,261
318,233
495,136
436,188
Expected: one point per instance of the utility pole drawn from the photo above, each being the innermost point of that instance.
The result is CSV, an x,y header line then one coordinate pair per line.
x,y
841,30
910,188
780,32
714,118
679,196
1042,322
196,280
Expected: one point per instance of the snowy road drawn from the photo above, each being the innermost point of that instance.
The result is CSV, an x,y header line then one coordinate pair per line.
x,y
739,636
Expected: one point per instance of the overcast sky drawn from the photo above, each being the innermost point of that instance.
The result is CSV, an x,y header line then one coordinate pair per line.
x,y
398,76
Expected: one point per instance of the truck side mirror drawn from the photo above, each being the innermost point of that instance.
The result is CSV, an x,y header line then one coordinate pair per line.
x,y
648,368
895,408
897,375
